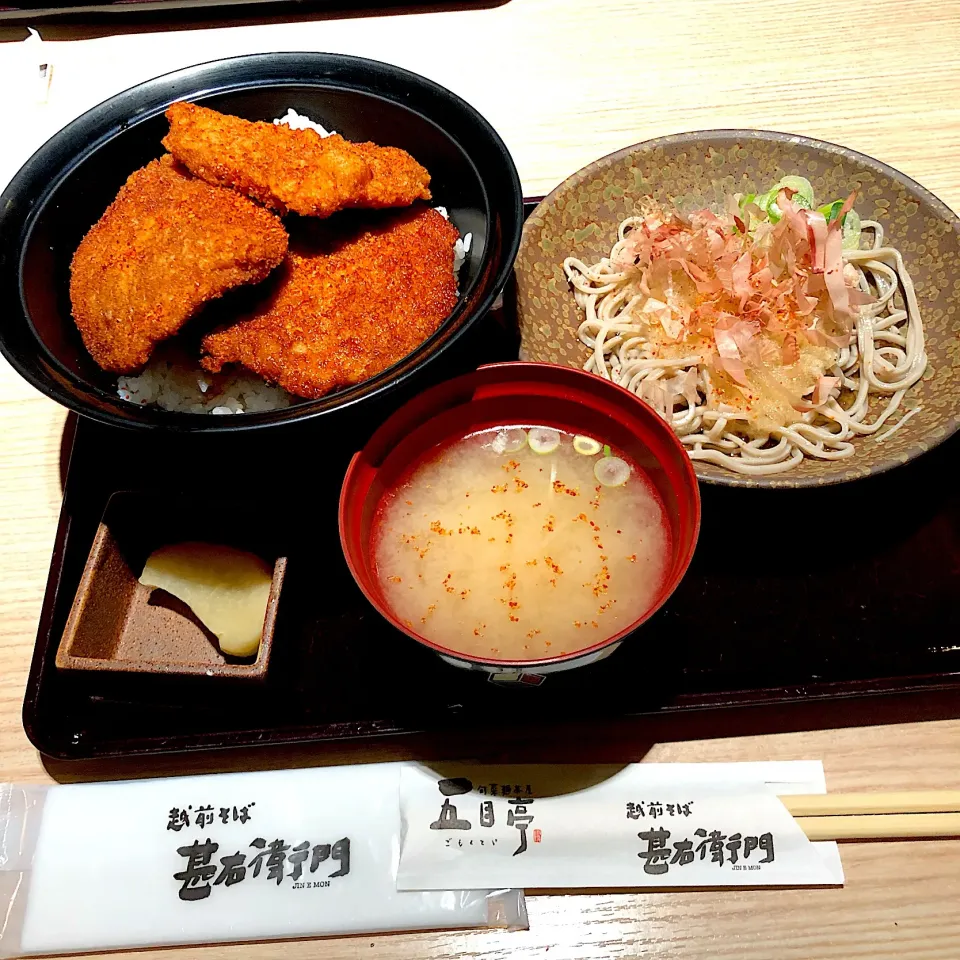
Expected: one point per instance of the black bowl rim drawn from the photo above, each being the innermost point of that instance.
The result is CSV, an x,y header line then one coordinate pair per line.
x,y
779,482
279,69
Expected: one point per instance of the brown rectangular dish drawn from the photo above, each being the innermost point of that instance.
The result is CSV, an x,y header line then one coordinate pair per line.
x,y
118,624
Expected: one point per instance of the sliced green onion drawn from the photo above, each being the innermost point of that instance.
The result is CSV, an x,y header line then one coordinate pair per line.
x,y
606,450
851,230
586,445
543,440
509,440
830,210
850,224
612,471
804,195
769,205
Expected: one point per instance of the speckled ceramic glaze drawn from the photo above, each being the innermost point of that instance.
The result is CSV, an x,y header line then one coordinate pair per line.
x,y
580,218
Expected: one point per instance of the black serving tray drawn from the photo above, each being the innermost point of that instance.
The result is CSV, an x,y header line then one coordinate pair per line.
x,y
793,595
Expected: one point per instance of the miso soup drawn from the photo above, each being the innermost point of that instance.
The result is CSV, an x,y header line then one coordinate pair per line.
x,y
521,543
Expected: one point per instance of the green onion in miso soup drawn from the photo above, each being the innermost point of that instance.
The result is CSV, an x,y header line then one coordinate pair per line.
x,y
520,544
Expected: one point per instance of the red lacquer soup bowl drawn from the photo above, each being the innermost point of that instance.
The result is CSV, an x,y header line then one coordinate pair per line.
x,y
506,394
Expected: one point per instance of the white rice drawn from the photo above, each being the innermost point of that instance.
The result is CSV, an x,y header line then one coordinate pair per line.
x,y
174,384
297,121
460,250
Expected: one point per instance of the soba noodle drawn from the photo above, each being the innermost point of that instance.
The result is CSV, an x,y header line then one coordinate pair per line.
x,y
884,360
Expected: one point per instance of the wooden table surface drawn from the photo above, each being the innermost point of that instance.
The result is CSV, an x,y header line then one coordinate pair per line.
x,y
565,82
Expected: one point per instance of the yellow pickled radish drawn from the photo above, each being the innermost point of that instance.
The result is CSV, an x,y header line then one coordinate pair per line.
x,y
226,588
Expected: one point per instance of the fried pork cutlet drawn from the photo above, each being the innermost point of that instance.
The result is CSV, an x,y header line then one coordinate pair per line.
x,y
292,169
397,179
167,244
336,318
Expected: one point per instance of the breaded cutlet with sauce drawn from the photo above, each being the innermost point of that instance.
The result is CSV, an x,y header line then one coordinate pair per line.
x,y
288,169
339,317
166,245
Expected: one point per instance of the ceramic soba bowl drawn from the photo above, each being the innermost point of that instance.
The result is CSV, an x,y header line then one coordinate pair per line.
x,y
580,218
511,393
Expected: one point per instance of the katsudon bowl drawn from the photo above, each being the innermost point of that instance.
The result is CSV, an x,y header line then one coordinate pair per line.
x,y
68,183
